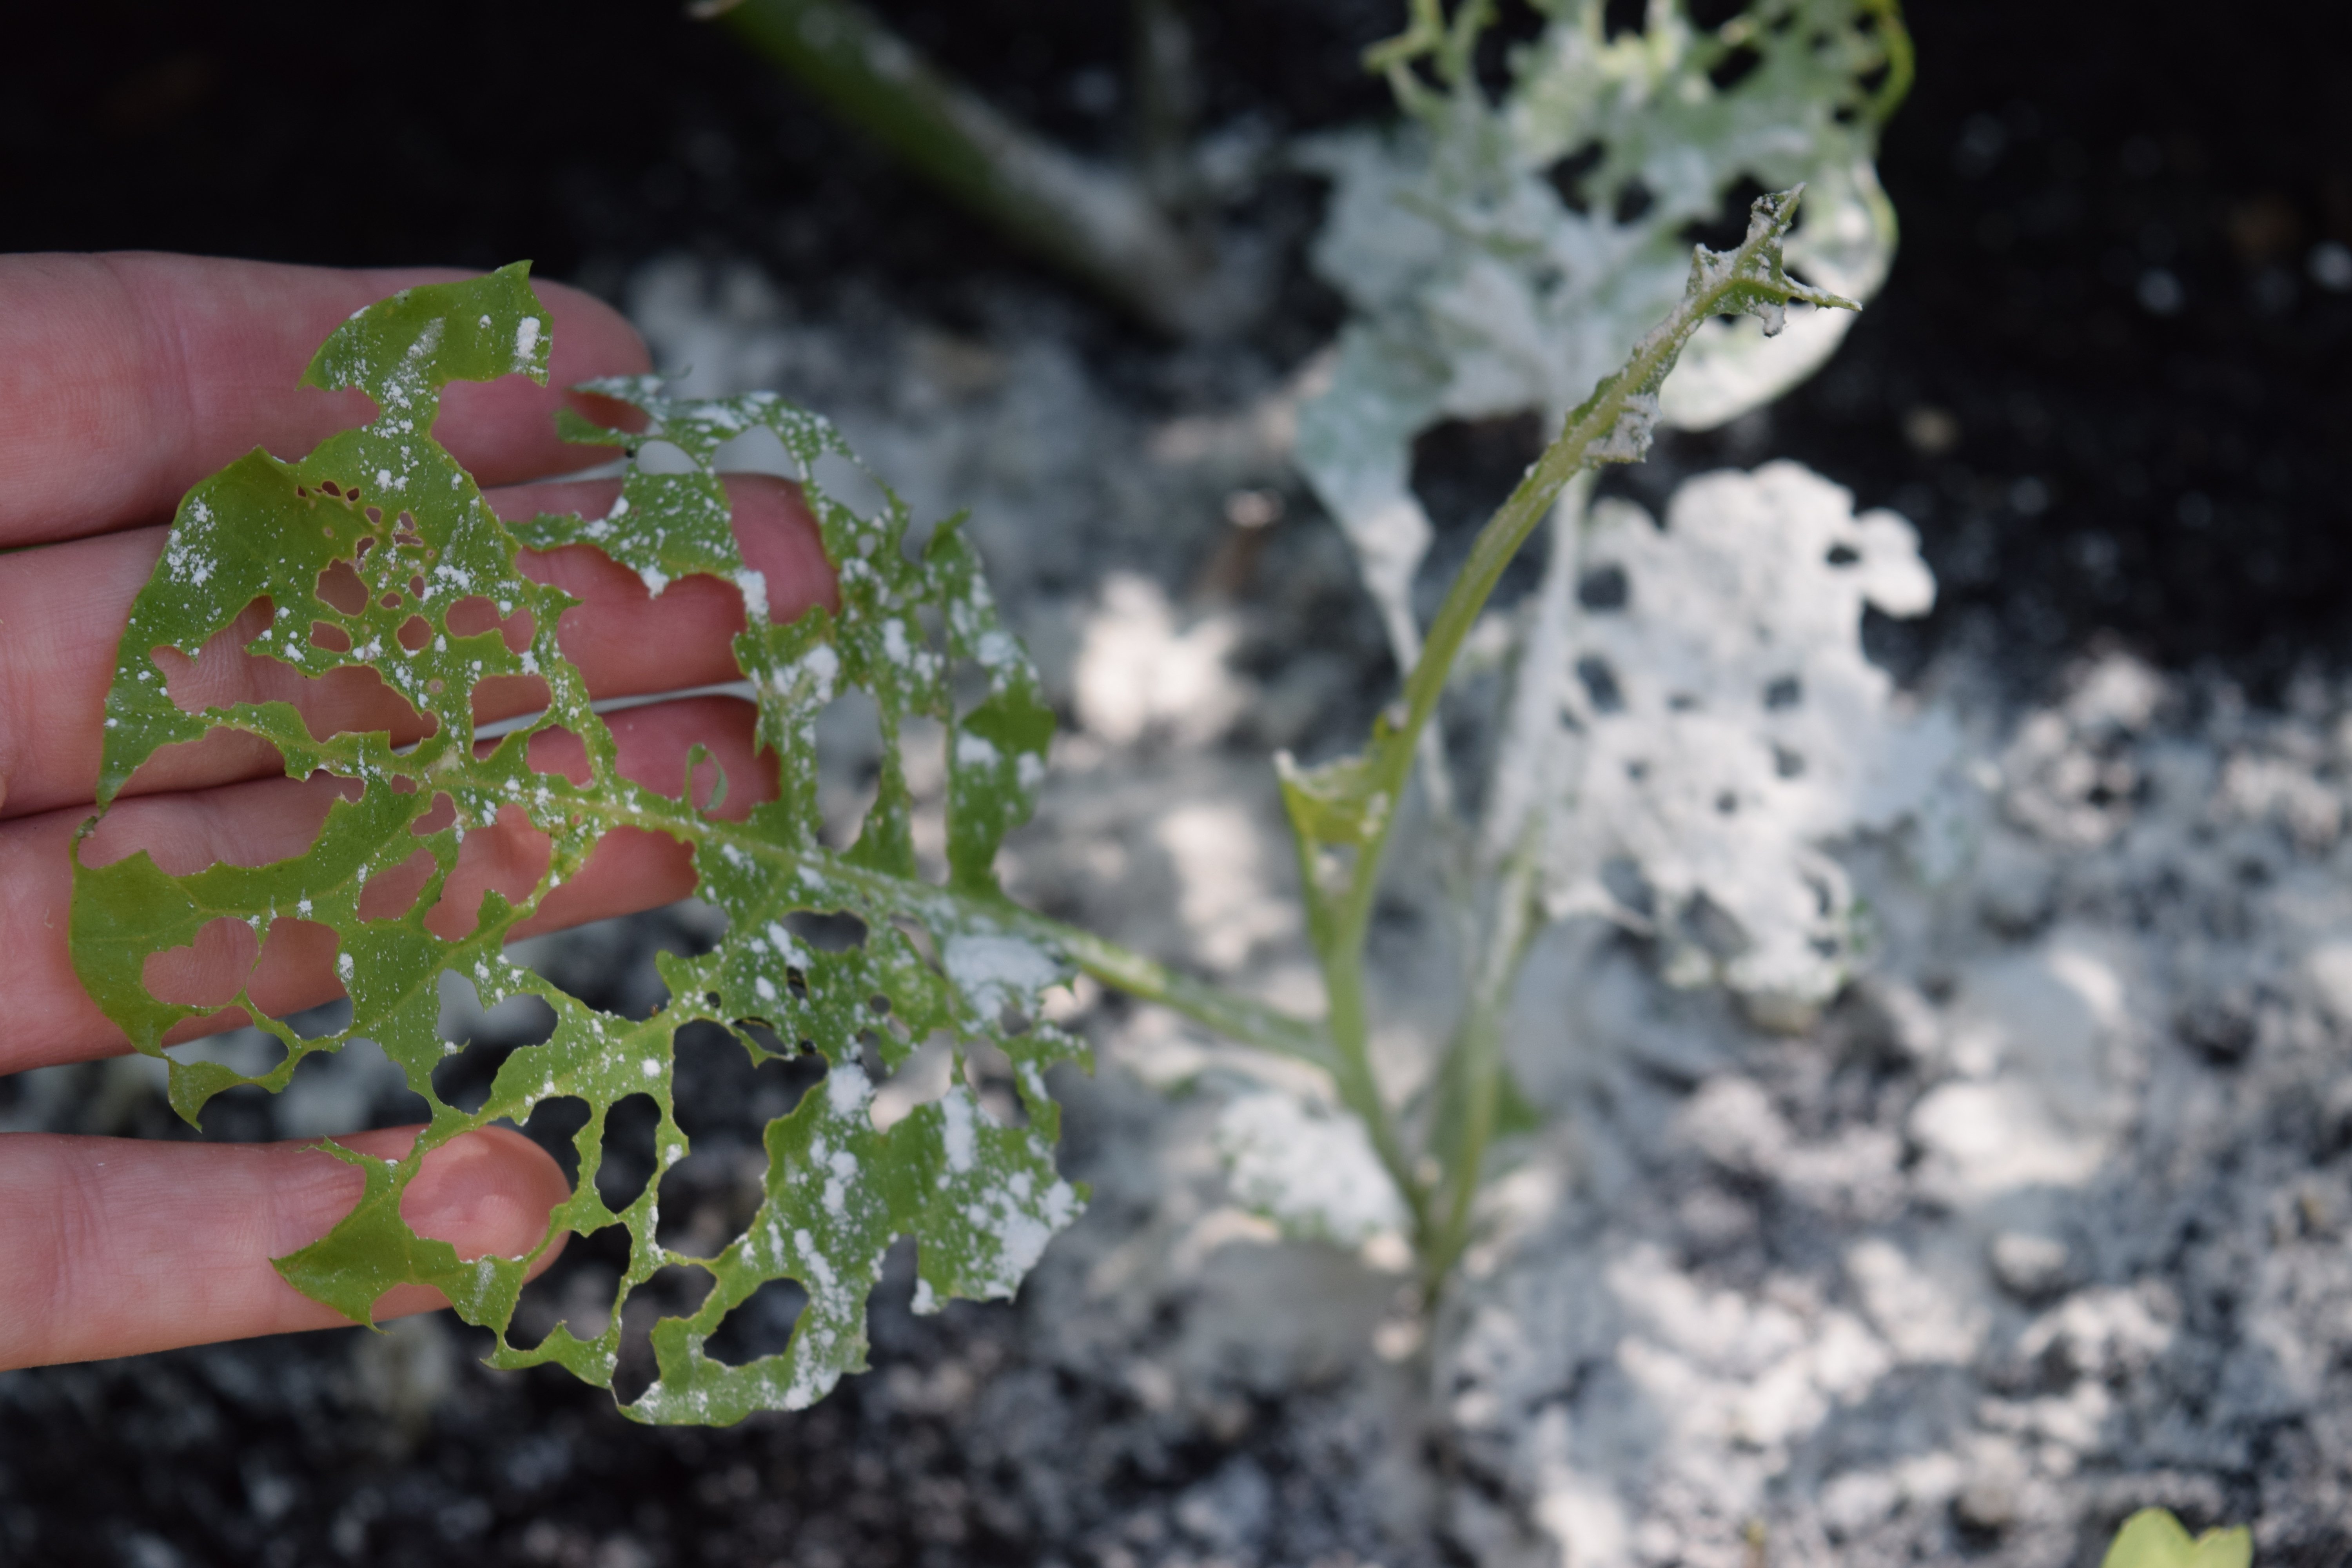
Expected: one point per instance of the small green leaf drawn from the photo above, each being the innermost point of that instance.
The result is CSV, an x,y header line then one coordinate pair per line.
x,y
916,631
2152,1538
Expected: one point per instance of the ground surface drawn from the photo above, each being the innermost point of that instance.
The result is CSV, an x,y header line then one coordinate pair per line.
x,y
2045,1220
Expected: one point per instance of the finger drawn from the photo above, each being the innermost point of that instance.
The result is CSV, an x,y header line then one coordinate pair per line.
x,y
126,378
63,608
51,1019
121,1245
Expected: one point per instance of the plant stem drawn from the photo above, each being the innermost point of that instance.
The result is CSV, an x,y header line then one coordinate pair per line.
x,y
1526,761
1592,433
1360,1089
1342,876
1236,1017
1478,1043
1097,223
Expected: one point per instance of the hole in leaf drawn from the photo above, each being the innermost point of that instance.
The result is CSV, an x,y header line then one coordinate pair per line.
x,y
390,895
333,638
1735,68
1634,199
1604,588
484,1039
1600,683
611,965
826,930
724,1102
559,752
1843,556
415,633
757,450
510,858
577,1293
924,1078
209,972
294,953
675,1290
1786,691
286,820
555,1125
251,662
1728,225
1566,175
340,588
474,614
438,816
990,1073
848,764
1711,15
1787,764
501,697
630,1127
1621,877
1619,17
848,484
658,456
760,1325
1710,926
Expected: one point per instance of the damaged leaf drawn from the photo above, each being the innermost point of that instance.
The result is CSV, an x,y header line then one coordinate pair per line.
x,y
1719,723
916,631
1501,257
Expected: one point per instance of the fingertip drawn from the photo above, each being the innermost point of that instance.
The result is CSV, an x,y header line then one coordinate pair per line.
x,y
486,1192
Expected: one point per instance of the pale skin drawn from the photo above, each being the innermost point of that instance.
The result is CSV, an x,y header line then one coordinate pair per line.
x,y
124,380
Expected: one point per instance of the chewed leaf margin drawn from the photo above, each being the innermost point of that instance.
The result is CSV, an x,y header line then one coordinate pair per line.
x,y
915,629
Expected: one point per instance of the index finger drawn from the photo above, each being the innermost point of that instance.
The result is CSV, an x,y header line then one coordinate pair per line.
x,y
126,378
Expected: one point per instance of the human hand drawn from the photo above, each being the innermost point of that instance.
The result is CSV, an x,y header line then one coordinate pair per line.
x,y
123,380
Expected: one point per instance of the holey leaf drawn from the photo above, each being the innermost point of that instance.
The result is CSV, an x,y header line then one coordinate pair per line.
x,y
916,631
1501,255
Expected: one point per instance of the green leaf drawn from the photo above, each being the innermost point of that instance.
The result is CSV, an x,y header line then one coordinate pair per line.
x,y
2152,1538
916,630
1500,257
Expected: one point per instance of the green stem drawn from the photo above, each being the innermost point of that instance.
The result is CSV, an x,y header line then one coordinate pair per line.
x,y
1478,1043
1235,1017
1360,1089
1612,425
1095,222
